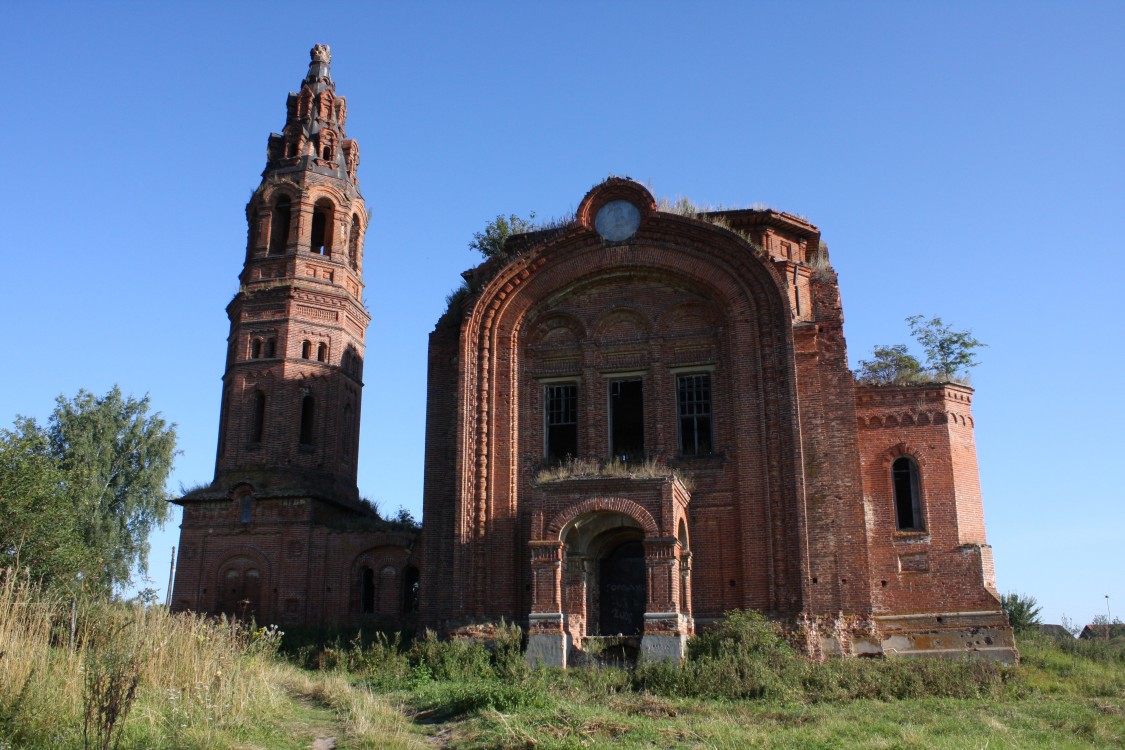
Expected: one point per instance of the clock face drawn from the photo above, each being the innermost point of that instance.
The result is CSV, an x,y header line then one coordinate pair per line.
x,y
617,220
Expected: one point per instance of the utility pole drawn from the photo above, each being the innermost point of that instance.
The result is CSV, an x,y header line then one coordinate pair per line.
x,y
1108,617
171,580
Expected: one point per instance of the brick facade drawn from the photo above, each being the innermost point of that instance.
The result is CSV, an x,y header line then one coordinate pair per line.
x,y
790,508
635,422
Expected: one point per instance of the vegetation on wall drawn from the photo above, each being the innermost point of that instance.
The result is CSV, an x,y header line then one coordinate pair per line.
x,y
950,354
491,241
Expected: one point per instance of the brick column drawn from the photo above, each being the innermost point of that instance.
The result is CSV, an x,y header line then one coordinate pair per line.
x,y
575,576
546,640
666,627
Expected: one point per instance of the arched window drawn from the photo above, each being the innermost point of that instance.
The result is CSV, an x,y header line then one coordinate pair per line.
x,y
367,591
258,425
255,348
306,349
271,348
279,229
908,494
308,412
322,228
322,352
353,243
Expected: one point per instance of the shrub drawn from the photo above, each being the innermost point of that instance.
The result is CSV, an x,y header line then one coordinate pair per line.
x,y
1022,611
450,660
741,633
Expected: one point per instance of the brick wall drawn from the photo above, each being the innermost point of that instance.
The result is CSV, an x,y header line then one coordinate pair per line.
x,y
945,565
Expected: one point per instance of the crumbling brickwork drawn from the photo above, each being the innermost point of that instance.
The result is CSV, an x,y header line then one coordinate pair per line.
x,y
634,316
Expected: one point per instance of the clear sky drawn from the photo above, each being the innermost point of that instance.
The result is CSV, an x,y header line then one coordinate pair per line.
x,y
965,160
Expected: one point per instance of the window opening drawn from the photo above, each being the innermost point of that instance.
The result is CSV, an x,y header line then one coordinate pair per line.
x,y
367,591
245,510
255,348
409,590
627,420
258,426
560,406
279,230
322,352
322,228
306,349
693,403
908,496
353,243
308,411
271,348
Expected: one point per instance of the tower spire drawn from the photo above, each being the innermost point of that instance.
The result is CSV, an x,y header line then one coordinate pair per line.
x,y
313,136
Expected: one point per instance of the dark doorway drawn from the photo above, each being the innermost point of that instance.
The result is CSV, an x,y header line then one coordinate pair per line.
x,y
367,592
627,420
239,588
622,590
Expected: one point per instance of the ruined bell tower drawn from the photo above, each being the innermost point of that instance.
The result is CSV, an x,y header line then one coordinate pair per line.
x,y
292,384
273,535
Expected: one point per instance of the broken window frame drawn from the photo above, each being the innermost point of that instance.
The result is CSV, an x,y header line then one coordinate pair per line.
x,y
695,424
560,421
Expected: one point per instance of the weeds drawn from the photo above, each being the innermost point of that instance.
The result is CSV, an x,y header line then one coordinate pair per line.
x,y
585,468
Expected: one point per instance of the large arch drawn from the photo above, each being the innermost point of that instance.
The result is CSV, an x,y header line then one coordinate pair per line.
x,y
745,290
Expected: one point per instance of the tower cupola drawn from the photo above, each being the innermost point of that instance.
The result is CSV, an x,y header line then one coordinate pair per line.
x,y
314,137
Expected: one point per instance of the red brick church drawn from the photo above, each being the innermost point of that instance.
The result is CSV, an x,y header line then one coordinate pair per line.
x,y
637,421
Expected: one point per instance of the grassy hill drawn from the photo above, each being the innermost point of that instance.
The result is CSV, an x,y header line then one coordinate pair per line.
x,y
104,675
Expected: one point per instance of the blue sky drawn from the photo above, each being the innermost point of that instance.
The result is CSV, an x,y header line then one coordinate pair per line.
x,y
961,159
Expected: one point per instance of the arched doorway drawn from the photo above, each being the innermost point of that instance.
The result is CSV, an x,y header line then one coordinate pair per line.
x,y
606,574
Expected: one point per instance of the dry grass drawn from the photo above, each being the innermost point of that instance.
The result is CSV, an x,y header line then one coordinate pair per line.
x,y
585,468
199,683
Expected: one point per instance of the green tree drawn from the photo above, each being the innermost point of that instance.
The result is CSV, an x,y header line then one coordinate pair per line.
x,y
490,243
948,352
115,459
889,364
1022,611
38,530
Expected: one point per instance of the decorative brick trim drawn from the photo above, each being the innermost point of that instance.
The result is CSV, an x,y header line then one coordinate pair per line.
x,y
611,504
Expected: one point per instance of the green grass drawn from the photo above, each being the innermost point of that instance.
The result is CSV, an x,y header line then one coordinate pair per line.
x,y
212,684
